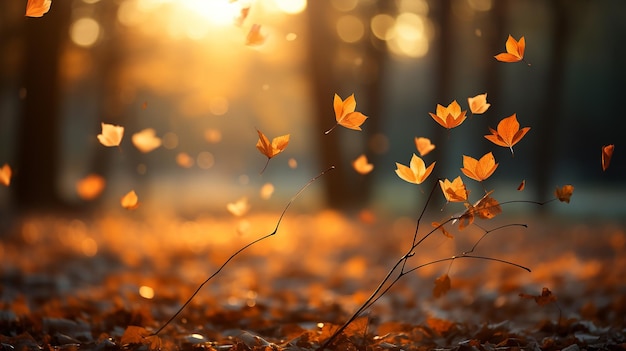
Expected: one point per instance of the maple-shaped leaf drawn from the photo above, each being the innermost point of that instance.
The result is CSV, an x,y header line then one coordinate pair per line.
x,y
361,165
486,208
424,146
146,140
545,298
440,226
5,175
130,201
514,50
450,116
255,37
508,133
90,187
479,170
416,173
454,191
478,104
607,153
442,286
111,135
564,193
37,8
345,114
272,149
239,207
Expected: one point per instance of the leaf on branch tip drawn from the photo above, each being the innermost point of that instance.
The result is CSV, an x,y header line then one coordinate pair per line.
x,y
564,193
514,50
424,146
478,104
37,8
485,208
111,135
607,153
361,165
442,286
416,173
272,149
5,175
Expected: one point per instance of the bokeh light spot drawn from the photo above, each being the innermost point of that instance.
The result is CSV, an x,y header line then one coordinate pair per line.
x,y
350,29
85,32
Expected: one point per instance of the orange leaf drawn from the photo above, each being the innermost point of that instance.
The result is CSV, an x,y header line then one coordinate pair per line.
x,y
545,298
564,193
441,326
508,133
345,114
514,50
454,191
5,175
37,8
478,104
130,201
424,146
90,187
361,165
450,116
416,173
255,37
134,335
521,185
442,286
479,170
272,149
239,207
607,153
243,14
111,135
443,230
486,208
146,140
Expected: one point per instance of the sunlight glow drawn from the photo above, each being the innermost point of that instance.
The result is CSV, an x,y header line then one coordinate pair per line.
x,y
291,6
218,12
85,32
350,28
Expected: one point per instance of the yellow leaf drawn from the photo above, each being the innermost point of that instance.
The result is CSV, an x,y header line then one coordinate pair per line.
x,y
486,208
130,201
416,173
345,114
146,140
255,37
424,146
508,133
514,50
90,187
564,193
443,230
111,135
607,153
442,286
272,149
478,104
479,170
449,117
5,175
361,165
454,191
239,207
37,8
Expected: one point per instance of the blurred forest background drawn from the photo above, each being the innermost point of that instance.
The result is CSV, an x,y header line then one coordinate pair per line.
x,y
182,68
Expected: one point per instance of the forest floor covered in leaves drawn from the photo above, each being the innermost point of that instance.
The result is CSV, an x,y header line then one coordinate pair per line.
x,y
107,282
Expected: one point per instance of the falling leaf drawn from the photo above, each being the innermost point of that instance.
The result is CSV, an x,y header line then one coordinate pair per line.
x,y
272,149
111,135
564,193
442,286
607,153
424,146
454,191
450,116
521,185
345,114
514,50
478,104
184,160
416,173
243,14
146,140
239,207
266,191
130,201
255,37
5,175
545,298
445,232
361,165
486,208
37,8
90,187
479,170
508,133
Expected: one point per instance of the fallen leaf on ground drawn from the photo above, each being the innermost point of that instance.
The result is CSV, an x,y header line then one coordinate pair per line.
x,y
545,298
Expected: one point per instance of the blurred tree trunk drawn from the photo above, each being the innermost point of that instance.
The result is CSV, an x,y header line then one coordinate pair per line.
x,y
37,164
344,188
